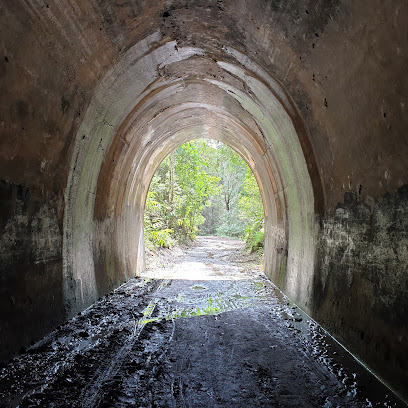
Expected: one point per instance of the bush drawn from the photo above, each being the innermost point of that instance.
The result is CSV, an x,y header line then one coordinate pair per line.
x,y
255,236
160,238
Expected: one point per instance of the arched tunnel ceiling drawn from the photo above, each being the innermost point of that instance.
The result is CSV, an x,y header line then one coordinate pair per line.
x,y
156,98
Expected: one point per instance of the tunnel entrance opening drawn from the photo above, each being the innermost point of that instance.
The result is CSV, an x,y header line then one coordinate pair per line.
x,y
203,188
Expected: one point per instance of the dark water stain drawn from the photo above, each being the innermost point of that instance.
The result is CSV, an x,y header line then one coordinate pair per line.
x,y
361,282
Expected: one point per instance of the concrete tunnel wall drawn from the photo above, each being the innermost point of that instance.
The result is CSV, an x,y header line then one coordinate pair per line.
x,y
168,109
311,94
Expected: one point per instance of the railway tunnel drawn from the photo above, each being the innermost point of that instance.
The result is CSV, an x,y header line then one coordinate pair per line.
x,y
313,95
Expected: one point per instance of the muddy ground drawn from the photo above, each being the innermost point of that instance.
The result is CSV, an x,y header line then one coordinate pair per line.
x,y
202,328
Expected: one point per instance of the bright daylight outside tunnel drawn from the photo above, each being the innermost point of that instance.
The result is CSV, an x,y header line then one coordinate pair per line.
x,y
95,95
203,188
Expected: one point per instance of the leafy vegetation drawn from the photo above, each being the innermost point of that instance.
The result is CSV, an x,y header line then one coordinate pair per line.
x,y
252,212
203,187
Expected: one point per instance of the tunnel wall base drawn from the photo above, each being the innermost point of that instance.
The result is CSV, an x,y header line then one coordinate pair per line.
x,y
361,281
31,298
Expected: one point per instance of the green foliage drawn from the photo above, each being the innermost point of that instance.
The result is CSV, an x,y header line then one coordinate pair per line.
x,y
252,212
254,236
178,192
203,187
231,225
161,238
222,216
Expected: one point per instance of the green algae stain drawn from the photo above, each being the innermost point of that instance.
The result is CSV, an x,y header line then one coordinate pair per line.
x,y
258,285
164,283
199,287
204,306
145,321
210,309
282,272
237,296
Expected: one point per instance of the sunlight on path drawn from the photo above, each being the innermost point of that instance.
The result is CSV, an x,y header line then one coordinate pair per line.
x,y
212,258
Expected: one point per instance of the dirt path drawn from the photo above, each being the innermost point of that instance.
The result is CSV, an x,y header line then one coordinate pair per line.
x,y
203,329
211,258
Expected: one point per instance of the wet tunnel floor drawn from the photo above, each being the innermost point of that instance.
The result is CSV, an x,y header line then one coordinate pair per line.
x,y
207,330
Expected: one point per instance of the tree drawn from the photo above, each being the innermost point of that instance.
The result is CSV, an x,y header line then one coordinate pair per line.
x,y
203,186
178,192
252,212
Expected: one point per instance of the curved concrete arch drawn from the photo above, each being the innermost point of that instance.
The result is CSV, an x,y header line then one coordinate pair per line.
x,y
146,113
141,177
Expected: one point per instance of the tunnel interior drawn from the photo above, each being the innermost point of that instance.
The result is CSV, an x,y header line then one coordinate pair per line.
x,y
312,95
170,112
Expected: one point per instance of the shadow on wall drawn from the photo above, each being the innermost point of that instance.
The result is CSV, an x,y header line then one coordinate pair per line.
x,y
31,298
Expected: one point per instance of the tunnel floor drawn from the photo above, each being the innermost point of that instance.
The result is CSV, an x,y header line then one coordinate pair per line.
x,y
204,329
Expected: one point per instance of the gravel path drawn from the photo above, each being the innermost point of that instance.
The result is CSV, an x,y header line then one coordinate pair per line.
x,y
202,328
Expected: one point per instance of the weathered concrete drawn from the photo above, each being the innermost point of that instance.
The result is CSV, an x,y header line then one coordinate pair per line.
x,y
362,266
312,94
31,264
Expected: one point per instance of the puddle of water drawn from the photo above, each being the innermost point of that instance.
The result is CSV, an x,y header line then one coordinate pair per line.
x,y
203,300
